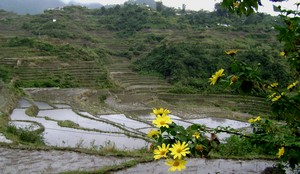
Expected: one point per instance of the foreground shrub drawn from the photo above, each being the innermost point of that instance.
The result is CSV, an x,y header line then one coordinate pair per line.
x,y
25,134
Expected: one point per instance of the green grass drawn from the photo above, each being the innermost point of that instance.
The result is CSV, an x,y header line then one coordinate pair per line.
x,y
24,135
68,123
237,147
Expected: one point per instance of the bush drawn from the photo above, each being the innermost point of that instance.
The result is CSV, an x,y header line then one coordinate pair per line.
x,y
237,146
32,111
25,134
5,73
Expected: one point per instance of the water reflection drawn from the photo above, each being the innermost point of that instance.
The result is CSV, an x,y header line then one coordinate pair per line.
x,y
24,103
123,120
62,136
215,122
43,105
61,106
55,135
69,114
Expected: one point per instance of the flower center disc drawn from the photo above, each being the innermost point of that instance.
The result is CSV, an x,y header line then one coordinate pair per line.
x,y
176,163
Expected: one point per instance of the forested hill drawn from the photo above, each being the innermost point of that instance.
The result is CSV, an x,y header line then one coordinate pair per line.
x,y
184,47
38,6
29,6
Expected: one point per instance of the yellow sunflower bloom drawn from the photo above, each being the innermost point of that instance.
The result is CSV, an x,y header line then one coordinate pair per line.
x,y
196,135
231,52
153,133
257,119
282,54
162,121
161,111
276,98
179,150
280,152
214,78
292,86
272,95
176,164
273,85
161,151
251,120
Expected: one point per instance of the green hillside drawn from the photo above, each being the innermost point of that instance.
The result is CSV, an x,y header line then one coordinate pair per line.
x,y
77,47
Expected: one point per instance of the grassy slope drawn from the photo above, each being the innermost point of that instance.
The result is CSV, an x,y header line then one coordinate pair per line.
x,y
84,50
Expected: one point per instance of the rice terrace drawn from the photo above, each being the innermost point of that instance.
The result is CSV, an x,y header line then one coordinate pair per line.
x,y
141,87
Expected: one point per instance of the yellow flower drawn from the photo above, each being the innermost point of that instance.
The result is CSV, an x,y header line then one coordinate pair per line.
x,y
231,52
179,150
161,151
153,133
257,119
176,164
196,135
276,98
272,95
282,53
293,85
162,121
251,120
273,85
161,111
214,78
280,152
233,79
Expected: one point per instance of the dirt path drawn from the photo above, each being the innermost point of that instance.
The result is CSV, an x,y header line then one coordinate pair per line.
x,y
16,161
204,166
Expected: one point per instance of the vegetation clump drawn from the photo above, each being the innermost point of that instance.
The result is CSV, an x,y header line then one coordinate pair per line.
x,y
32,111
25,135
68,123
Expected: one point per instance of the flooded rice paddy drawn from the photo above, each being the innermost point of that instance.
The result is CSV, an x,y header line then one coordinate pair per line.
x,y
105,131
99,130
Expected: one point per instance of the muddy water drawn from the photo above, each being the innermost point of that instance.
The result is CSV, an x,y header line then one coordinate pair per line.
x,y
16,161
203,166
